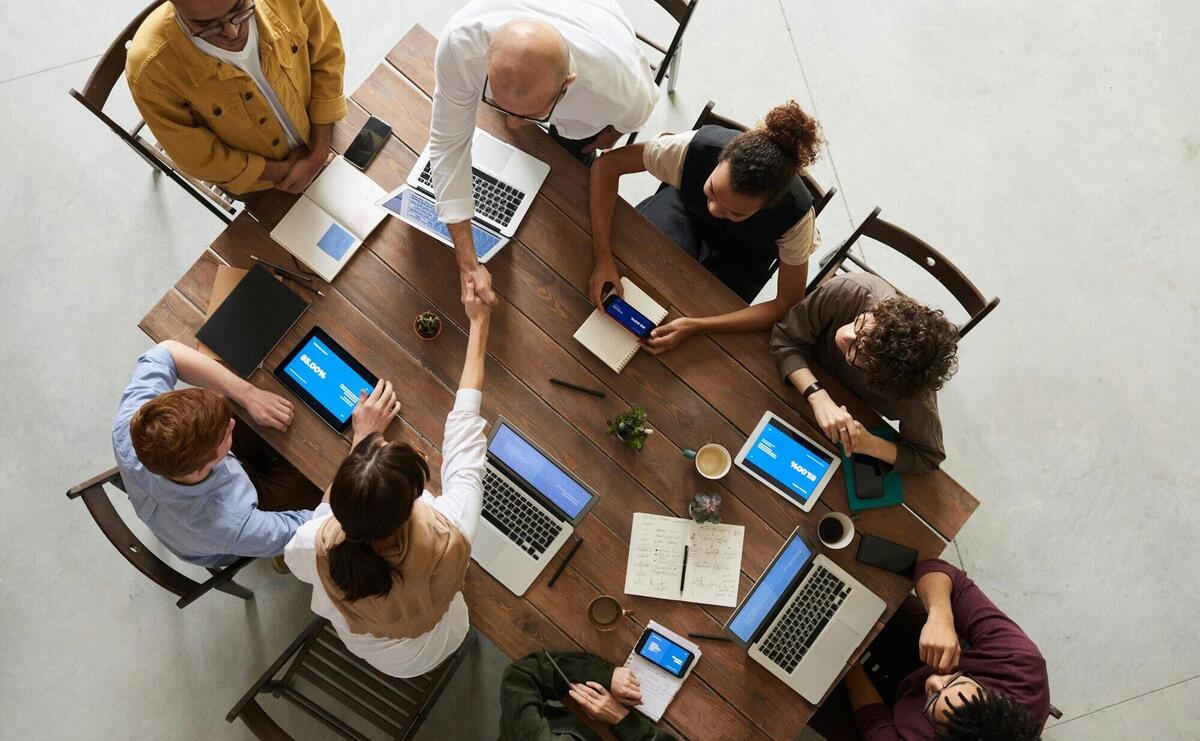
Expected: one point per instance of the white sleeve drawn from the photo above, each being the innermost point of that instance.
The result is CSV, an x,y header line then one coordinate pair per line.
x,y
637,111
451,129
300,552
464,452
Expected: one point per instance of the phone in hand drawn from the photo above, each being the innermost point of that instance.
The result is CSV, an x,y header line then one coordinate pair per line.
x,y
868,476
663,652
367,143
627,316
889,556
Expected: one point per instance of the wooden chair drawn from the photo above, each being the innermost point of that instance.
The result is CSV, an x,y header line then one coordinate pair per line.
x,y
96,92
397,707
668,68
188,590
933,262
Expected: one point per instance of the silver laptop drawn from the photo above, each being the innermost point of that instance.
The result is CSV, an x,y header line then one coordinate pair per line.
x,y
531,505
804,618
504,182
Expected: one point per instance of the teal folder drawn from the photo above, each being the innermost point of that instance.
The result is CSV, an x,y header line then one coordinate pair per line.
x,y
893,491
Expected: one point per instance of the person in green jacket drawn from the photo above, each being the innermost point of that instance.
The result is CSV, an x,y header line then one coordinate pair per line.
x,y
531,694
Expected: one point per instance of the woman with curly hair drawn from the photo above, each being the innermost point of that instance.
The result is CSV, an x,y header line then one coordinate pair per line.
x,y
732,200
890,350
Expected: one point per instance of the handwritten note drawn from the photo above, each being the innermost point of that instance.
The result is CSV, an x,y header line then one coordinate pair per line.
x,y
658,686
714,560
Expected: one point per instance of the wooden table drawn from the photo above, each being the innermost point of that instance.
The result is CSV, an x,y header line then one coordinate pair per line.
x,y
708,389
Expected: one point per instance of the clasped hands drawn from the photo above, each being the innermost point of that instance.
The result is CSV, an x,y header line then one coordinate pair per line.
x,y
606,707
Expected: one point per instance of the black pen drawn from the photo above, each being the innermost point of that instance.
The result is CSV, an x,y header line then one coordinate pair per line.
x,y
683,574
285,271
584,389
303,285
562,566
707,637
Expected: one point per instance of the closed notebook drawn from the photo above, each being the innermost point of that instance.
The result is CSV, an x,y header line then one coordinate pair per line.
x,y
330,221
893,489
608,340
251,321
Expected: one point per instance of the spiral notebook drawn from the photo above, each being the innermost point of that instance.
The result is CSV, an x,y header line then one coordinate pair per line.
x,y
608,340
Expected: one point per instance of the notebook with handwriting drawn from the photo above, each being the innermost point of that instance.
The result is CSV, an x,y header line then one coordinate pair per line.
x,y
608,340
658,687
656,558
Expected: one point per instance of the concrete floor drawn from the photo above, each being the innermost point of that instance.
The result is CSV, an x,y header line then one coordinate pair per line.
x,y
1050,150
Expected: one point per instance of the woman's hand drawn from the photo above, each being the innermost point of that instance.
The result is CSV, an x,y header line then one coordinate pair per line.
x,y
604,272
477,309
598,703
626,687
375,412
669,335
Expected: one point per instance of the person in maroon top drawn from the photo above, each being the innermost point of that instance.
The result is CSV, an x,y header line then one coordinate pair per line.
x,y
979,677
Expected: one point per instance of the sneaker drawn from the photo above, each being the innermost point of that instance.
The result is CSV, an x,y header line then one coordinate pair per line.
x,y
277,563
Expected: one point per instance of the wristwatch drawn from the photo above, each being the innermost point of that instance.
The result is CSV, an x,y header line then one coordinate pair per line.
x,y
813,388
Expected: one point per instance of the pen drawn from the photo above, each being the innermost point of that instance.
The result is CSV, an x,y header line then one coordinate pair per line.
x,y
708,637
562,566
683,574
285,271
584,389
302,285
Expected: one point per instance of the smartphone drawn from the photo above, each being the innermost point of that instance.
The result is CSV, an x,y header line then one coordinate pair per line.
x,y
662,651
868,477
367,143
627,316
889,556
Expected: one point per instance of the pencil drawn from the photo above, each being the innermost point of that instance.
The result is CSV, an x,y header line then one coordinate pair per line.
x,y
584,389
285,271
707,637
562,566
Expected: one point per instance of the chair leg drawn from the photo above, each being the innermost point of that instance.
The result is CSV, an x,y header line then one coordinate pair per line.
x,y
237,590
673,69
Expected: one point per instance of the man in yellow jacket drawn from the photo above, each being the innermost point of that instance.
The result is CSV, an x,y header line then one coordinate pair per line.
x,y
241,93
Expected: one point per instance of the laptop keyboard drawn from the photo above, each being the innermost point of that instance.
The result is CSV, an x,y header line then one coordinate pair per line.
x,y
494,200
808,614
511,512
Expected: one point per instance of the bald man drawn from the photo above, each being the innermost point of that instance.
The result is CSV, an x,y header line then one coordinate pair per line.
x,y
574,65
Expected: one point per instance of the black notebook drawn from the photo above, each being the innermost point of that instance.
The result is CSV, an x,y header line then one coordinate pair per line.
x,y
251,321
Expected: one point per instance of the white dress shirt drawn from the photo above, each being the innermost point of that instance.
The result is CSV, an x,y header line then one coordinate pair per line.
x,y
615,86
464,451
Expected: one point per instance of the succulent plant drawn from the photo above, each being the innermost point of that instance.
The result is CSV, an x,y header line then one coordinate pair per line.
x,y
705,507
428,325
631,428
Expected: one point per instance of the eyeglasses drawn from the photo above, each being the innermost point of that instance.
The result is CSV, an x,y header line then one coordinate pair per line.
x,y
852,353
488,99
954,679
233,18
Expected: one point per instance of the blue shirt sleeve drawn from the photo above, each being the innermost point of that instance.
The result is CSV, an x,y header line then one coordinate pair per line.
x,y
266,533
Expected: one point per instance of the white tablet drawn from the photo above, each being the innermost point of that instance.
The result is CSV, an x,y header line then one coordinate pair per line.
x,y
788,461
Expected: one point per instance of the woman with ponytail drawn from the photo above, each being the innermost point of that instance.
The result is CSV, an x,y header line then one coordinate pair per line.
x,y
732,200
387,558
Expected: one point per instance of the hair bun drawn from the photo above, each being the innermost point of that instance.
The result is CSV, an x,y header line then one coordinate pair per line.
x,y
795,132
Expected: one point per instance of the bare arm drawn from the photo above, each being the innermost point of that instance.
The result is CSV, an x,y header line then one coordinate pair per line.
x,y
606,173
194,368
480,314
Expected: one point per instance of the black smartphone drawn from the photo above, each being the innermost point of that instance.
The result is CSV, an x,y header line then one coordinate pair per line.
x,y
627,316
889,556
662,651
367,143
868,476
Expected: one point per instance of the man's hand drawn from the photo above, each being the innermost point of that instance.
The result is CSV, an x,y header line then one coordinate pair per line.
x,y
938,645
267,409
626,687
834,420
375,412
300,175
477,309
598,703
482,280
669,335
607,137
604,271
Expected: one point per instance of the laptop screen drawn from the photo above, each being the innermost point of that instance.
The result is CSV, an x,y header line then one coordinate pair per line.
x,y
538,471
760,604
415,208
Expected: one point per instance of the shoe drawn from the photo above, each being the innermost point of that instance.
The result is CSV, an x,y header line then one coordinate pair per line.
x,y
278,564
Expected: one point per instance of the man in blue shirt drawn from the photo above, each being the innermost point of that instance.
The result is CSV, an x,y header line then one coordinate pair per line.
x,y
209,489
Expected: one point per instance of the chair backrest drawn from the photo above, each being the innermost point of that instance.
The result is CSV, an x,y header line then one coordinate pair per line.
x,y
101,508
397,707
821,197
111,66
681,11
921,253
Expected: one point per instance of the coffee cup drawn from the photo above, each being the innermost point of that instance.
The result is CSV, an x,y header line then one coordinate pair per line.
x,y
835,530
605,611
712,460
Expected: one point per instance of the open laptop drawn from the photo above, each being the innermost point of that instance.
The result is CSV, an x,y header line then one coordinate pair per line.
x,y
531,505
804,618
504,182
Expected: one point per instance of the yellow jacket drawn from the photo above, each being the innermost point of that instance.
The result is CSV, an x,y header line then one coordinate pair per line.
x,y
209,115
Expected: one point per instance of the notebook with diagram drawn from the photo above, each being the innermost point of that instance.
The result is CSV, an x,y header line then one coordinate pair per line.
x,y
611,342
330,221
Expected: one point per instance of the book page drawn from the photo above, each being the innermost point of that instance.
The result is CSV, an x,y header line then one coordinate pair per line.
x,y
315,238
608,340
655,566
349,196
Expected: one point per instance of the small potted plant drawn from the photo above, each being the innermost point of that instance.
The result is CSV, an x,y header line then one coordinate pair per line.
x,y
427,325
705,507
630,427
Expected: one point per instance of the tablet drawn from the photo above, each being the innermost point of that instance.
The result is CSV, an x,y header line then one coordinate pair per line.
x,y
325,377
788,461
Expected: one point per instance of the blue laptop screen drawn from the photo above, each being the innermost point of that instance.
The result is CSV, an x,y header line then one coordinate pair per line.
x,y
328,378
770,589
415,207
784,457
538,471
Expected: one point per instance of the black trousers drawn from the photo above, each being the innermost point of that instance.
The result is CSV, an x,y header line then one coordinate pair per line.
x,y
744,270
281,487
574,147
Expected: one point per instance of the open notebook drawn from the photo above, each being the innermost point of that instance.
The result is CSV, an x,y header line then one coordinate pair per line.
x,y
658,686
333,217
611,342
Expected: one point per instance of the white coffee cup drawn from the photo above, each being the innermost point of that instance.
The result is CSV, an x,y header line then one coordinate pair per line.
x,y
839,520
713,461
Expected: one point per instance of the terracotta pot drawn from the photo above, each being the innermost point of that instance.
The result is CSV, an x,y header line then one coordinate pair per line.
x,y
417,332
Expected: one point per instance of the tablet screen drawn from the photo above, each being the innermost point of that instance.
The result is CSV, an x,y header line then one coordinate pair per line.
x,y
783,457
325,377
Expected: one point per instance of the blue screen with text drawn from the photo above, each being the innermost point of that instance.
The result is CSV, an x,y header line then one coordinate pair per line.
x,y
325,376
538,471
787,459
628,317
666,654
770,589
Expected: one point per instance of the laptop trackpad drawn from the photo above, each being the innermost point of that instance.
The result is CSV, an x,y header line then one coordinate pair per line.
x,y
837,641
489,156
